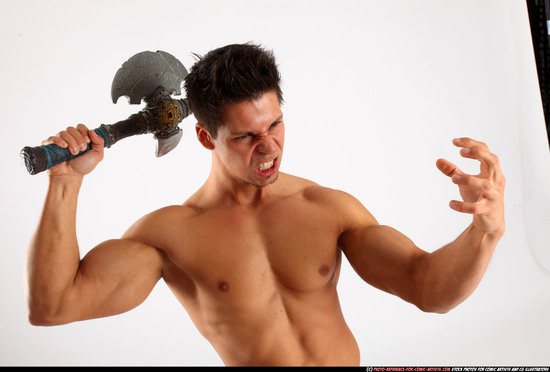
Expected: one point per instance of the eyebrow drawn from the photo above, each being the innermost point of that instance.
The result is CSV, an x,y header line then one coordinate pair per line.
x,y
240,134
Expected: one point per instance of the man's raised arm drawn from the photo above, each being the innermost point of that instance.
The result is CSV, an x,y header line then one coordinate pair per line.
x,y
113,277
437,281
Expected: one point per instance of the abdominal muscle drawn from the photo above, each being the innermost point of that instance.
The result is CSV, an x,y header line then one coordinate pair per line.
x,y
286,330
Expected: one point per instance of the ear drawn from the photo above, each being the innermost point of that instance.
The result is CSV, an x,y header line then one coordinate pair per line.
x,y
204,137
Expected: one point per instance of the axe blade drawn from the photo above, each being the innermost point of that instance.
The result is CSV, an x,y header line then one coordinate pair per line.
x,y
167,144
141,75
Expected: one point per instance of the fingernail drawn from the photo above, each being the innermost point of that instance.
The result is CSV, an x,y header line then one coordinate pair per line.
x,y
75,150
456,178
83,146
87,139
466,150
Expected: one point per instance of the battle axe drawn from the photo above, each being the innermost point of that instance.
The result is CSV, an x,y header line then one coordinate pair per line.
x,y
151,76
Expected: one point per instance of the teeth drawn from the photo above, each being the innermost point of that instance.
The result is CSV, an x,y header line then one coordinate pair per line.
x,y
265,166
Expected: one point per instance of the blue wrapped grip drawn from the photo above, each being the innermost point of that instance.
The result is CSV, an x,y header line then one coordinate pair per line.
x,y
40,158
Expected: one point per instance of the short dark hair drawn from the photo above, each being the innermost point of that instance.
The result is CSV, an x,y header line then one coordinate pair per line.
x,y
227,75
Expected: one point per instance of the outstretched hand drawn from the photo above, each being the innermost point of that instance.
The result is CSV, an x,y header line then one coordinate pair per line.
x,y
482,194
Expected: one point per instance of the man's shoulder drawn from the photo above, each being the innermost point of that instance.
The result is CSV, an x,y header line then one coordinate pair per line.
x,y
334,204
313,191
171,212
157,221
290,184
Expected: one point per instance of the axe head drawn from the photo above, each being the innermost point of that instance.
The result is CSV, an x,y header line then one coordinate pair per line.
x,y
143,74
153,77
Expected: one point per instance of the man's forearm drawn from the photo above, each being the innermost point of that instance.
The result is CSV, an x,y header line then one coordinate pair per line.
x,y
53,256
453,272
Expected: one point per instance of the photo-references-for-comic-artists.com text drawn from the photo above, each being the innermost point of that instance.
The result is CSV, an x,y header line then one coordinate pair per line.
x,y
458,369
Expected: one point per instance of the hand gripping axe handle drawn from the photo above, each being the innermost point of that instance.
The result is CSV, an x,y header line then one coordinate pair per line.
x,y
152,76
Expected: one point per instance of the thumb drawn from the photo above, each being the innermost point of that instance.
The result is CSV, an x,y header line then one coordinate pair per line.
x,y
97,142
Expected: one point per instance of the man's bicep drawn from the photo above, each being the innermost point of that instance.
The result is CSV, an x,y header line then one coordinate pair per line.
x,y
386,259
114,277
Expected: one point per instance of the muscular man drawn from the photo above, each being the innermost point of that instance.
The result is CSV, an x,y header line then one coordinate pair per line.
x,y
254,255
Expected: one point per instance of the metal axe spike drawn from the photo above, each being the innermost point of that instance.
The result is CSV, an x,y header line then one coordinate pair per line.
x,y
151,76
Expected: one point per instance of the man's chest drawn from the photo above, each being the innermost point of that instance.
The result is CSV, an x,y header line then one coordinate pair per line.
x,y
239,253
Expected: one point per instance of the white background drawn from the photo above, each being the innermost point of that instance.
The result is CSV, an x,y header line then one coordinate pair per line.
x,y
375,91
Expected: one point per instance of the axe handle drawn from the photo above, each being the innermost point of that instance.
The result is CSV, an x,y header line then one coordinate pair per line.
x,y
38,159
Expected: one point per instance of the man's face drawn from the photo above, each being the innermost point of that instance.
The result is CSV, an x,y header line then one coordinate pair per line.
x,y
250,141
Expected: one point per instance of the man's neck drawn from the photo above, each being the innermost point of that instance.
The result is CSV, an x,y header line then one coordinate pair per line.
x,y
231,190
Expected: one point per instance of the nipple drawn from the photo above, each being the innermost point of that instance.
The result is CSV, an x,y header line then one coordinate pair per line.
x,y
223,286
324,270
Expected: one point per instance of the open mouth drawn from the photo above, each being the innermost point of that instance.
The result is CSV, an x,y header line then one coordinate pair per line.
x,y
267,168
267,165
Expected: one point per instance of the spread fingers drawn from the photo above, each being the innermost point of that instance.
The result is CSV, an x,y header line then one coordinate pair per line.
x,y
484,186
480,151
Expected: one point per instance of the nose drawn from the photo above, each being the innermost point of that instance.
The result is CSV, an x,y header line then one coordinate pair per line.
x,y
267,144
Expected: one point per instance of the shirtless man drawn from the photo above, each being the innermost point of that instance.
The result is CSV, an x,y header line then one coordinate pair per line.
x,y
254,255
